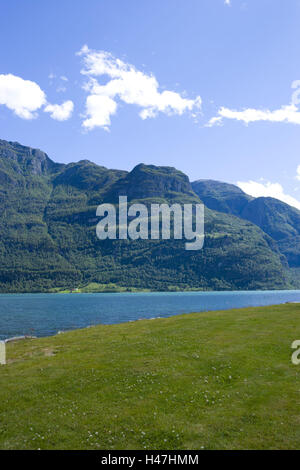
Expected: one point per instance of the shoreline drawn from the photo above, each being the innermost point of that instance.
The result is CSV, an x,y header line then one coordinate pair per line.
x,y
127,322
148,291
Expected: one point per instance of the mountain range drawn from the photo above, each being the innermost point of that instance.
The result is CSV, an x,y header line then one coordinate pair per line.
x,y
48,241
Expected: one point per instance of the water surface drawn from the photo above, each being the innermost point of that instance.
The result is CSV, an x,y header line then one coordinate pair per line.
x,y
46,314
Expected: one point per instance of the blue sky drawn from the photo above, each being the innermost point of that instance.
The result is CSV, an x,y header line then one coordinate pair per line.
x,y
199,85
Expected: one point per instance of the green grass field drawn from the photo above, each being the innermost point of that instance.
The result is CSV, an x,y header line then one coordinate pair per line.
x,y
218,380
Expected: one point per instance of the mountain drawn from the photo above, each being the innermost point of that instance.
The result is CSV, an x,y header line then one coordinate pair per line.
x,y
222,197
277,219
48,240
149,182
20,160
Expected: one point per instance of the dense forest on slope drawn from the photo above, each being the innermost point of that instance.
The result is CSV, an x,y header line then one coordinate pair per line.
x,y
279,220
48,238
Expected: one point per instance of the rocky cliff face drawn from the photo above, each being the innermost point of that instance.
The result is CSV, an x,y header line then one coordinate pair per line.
x,y
26,160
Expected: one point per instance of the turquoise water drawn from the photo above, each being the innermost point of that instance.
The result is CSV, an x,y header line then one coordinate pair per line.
x,y
46,314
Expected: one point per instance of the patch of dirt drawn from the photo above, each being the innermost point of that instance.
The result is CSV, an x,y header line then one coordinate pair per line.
x,y
49,351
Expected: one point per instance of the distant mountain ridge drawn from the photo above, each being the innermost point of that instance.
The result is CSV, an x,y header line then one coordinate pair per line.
x,y
222,197
276,218
48,240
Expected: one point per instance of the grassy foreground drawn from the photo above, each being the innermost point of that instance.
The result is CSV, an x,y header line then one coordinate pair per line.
x,y
210,380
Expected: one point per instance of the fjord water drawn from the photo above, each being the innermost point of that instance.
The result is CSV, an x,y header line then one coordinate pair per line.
x,y
46,314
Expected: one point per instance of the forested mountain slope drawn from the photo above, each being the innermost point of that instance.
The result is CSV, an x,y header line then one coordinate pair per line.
x,y
48,239
279,220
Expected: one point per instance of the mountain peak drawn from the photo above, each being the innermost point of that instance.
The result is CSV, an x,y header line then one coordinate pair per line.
x,y
27,160
154,182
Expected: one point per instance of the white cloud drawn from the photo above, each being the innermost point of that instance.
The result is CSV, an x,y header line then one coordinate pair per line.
x,y
215,121
268,189
129,85
61,89
23,97
98,111
288,114
227,2
60,112
298,173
